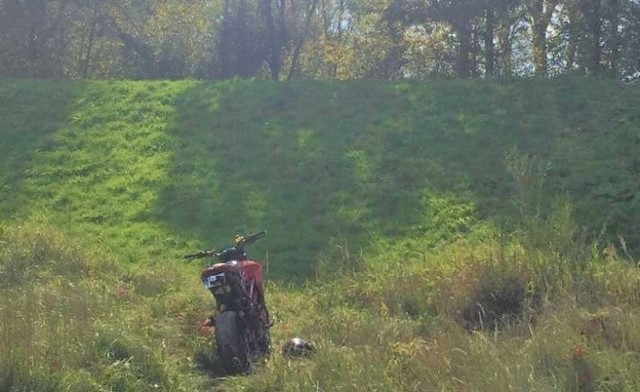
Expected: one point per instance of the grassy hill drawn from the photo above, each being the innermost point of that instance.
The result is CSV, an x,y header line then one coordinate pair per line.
x,y
454,235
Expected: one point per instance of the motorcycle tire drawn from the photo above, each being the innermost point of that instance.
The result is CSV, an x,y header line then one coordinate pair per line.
x,y
232,347
265,347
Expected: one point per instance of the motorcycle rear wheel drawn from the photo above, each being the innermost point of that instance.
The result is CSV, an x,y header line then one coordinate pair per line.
x,y
233,348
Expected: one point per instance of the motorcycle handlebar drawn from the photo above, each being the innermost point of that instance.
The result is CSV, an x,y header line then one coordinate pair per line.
x,y
242,241
251,238
198,255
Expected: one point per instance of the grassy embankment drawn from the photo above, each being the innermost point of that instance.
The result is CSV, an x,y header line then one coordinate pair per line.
x,y
453,234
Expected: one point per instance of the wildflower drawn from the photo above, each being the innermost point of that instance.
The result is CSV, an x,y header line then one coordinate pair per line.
x,y
204,330
586,378
122,291
577,352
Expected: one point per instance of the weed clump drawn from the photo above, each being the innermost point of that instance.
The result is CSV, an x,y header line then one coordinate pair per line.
x,y
486,287
498,298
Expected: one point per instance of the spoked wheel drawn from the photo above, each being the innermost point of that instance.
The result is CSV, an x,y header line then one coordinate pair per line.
x,y
233,348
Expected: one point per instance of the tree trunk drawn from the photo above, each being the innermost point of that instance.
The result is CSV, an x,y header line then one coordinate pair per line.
x,y
91,40
572,40
614,35
276,35
489,47
464,54
273,58
504,38
541,12
540,47
303,36
591,10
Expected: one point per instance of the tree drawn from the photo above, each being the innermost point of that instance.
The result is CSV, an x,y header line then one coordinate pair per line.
x,y
284,39
540,12
628,60
32,37
592,13
273,13
473,22
613,37
500,17
181,34
461,15
300,39
241,52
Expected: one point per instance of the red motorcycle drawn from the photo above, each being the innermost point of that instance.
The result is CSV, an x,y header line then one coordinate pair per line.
x,y
242,320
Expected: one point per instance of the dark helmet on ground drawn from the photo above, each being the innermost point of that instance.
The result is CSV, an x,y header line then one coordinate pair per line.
x,y
297,347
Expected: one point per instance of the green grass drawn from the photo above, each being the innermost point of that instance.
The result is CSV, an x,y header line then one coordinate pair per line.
x,y
450,235
151,169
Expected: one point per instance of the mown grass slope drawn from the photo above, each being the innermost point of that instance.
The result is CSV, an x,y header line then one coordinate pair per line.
x,y
146,170
464,235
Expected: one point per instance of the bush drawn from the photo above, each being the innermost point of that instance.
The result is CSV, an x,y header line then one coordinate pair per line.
x,y
499,297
